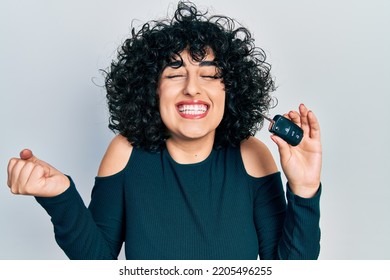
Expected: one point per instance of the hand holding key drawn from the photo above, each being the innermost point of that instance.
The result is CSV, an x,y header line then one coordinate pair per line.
x,y
302,163
28,175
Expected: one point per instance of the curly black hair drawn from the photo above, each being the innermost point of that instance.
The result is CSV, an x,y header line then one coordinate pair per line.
x,y
132,80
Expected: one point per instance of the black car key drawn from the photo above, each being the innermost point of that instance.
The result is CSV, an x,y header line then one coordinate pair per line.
x,y
285,129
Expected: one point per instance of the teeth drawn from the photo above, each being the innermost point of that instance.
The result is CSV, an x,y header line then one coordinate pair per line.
x,y
195,109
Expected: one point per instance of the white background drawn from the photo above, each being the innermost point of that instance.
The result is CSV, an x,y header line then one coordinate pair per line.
x,y
332,55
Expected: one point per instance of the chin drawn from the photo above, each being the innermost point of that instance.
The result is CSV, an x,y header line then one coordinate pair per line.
x,y
197,135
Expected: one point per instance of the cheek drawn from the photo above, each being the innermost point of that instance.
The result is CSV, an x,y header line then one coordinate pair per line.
x,y
222,101
166,108
166,92
162,96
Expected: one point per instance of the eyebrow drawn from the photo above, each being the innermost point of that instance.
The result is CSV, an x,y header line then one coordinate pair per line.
x,y
179,63
208,63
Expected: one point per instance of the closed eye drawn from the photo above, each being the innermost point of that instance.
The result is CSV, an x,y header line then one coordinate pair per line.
x,y
214,77
175,76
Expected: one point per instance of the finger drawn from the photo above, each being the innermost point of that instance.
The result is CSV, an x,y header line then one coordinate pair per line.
x,y
295,117
15,172
314,126
304,120
287,116
24,176
11,164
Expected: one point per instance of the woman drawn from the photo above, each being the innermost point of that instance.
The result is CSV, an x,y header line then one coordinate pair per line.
x,y
185,178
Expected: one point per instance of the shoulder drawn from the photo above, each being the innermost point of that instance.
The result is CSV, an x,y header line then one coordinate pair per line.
x,y
116,156
257,158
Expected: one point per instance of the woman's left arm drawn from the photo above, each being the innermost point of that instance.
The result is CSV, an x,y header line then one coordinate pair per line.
x,y
302,164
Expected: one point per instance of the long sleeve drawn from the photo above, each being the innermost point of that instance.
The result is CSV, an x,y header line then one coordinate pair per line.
x,y
88,233
286,230
301,232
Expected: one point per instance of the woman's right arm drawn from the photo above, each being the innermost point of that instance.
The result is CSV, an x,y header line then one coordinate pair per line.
x,y
94,233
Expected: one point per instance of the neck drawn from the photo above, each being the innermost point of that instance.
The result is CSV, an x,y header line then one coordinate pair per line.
x,y
189,151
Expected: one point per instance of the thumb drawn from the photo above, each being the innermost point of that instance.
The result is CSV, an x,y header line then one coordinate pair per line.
x,y
283,146
27,154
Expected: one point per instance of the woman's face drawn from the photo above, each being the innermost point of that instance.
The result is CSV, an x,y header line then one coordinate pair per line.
x,y
192,97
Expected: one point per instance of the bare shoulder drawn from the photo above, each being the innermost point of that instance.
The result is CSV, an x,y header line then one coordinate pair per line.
x,y
257,158
116,156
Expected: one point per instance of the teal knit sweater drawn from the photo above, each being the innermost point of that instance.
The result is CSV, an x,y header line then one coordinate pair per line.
x,y
165,210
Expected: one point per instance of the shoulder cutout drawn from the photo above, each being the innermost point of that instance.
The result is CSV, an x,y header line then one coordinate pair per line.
x,y
257,158
116,156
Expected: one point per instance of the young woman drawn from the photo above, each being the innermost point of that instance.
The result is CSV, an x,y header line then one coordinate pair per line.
x,y
184,178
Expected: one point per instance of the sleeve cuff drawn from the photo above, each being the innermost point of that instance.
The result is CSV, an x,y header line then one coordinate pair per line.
x,y
315,200
67,195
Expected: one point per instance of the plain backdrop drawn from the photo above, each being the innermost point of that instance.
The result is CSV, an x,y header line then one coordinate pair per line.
x,y
332,55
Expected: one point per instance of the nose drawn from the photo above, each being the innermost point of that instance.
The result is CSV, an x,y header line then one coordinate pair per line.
x,y
192,87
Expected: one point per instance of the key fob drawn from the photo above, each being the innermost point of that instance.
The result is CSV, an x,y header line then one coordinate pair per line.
x,y
286,129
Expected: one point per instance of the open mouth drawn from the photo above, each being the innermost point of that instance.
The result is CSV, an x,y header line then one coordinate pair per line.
x,y
192,111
